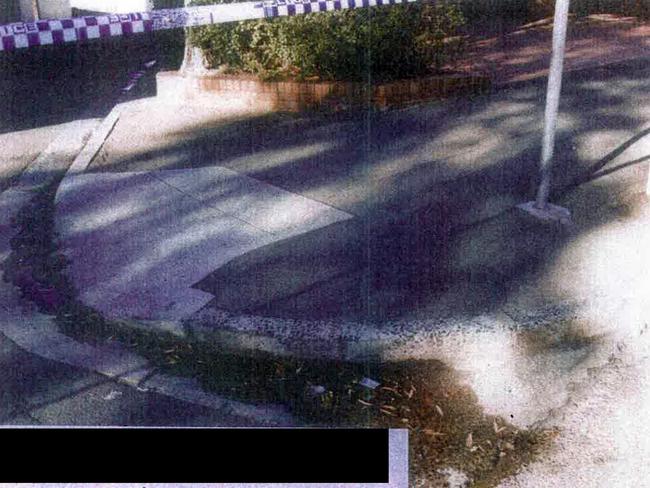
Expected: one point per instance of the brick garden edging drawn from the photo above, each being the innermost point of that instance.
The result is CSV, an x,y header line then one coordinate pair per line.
x,y
294,96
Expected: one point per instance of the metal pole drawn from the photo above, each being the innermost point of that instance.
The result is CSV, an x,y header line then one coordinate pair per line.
x,y
552,100
36,11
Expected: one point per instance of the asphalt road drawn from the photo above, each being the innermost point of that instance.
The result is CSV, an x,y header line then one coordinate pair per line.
x,y
46,87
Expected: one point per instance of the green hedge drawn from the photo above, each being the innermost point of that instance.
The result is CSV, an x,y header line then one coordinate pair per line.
x,y
379,43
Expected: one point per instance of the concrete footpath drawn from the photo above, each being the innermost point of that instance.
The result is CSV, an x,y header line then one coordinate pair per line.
x,y
404,219
37,391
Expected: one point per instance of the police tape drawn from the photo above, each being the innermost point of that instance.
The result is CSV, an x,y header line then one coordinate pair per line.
x,y
60,31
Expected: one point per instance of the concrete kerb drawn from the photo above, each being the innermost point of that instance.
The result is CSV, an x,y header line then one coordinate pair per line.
x,y
96,141
491,349
337,339
38,333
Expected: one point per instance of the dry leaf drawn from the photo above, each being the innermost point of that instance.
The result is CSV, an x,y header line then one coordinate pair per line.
x,y
393,390
439,410
469,441
364,403
497,429
432,433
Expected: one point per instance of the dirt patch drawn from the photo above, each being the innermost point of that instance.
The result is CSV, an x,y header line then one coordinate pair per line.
x,y
447,427
522,52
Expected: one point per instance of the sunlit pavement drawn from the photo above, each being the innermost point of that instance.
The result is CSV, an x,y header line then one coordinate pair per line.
x,y
412,180
48,95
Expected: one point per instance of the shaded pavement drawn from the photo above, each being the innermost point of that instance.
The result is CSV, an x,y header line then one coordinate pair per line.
x,y
48,87
454,171
49,90
414,180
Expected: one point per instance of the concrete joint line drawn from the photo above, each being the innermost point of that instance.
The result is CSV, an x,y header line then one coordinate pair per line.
x,y
41,339
137,378
189,195
95,143
189,390
65,396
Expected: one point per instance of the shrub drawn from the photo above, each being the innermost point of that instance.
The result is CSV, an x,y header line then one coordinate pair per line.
x,y
380,43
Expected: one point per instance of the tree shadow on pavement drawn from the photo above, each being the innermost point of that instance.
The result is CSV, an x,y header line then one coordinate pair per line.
x,y
432,189
408,246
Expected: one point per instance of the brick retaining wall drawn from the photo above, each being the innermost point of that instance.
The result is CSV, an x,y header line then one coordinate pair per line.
x,y
294,96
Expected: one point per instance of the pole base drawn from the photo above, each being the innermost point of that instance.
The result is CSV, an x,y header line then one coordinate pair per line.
x,y
550,213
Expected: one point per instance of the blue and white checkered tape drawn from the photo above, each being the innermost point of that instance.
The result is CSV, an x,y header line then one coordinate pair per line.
x,y
59,31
